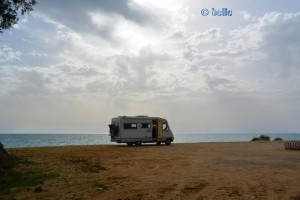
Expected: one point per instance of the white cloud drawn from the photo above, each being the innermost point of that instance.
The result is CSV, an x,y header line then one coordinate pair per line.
x,y
247,16
212,35
7,54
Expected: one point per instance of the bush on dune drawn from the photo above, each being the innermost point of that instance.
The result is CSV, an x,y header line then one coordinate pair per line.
x,y
261,138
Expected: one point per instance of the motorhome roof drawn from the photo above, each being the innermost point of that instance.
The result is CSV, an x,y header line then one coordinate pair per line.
x,y
139,116
135,116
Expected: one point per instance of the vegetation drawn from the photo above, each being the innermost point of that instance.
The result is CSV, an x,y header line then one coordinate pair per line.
x,y
261,138
278,139
97,184
16,175
10,9
6,165
16,179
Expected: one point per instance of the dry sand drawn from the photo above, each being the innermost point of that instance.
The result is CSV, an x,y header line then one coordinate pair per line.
x,y
239,170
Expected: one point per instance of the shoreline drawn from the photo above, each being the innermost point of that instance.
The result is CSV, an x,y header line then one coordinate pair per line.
x,y
143,144
13,141
125,145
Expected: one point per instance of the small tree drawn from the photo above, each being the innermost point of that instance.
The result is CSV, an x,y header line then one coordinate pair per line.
x,y
10,9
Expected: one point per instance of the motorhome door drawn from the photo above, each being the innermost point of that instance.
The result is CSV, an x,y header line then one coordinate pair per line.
x,y
159,129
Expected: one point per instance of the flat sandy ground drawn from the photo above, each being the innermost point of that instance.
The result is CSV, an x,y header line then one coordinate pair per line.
x,y
239,170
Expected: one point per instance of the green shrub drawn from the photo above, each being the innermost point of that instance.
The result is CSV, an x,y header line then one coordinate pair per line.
x,y
278,139
254,139
15,179
261,138
264,137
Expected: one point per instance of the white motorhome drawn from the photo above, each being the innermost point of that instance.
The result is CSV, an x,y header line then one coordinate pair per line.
x,y
140,129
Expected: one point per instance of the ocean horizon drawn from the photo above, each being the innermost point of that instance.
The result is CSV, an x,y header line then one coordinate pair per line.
x,y
16,140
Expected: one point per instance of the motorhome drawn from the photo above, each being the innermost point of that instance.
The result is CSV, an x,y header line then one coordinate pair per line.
x,y
140,129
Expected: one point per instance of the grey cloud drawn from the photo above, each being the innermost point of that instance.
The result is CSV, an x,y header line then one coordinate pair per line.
x,y
215,82
177,35
77,70
30,82
86,71
101,85
137,70
72,90
198,43
282,42
76,14
191,52
268,46
132,74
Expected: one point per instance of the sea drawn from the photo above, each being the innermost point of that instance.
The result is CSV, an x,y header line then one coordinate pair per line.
x,y
40,140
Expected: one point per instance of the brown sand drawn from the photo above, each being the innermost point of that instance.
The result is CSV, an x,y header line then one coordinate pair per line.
x,y
240,170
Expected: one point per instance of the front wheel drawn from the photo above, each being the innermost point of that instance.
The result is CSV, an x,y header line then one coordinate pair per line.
x,y
168,142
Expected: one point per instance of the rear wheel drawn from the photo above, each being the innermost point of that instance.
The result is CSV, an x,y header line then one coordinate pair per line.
x,y
129,144
158,143
168,142
138,143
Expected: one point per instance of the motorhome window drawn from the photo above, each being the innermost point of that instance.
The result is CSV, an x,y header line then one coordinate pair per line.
x,y
145,125
165,126
130,126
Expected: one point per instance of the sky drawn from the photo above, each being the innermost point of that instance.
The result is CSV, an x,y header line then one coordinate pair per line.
x,y
70,68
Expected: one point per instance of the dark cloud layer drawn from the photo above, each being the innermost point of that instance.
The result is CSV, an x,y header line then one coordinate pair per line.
x,y
76,14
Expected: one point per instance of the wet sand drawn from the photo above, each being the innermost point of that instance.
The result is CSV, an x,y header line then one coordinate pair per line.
x,y
239,170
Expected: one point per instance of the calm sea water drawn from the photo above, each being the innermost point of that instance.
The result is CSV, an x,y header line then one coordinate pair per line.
x,y
35,140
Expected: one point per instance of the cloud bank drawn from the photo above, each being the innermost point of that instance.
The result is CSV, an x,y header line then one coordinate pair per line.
x,y
71,67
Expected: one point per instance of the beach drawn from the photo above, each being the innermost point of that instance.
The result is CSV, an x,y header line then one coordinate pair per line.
x,y
220,170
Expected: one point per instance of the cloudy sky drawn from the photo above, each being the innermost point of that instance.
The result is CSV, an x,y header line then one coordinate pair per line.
x,y
70,68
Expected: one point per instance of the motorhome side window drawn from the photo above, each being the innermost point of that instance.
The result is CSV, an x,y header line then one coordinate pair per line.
x,y
130,126
165,126
145,125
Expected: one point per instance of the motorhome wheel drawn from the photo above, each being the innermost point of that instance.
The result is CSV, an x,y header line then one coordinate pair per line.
x,y
138,143
129,144
168,142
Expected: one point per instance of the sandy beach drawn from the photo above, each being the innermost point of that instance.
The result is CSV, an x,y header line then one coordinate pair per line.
x,y
239,170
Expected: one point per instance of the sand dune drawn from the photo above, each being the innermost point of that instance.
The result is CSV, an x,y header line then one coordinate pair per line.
x,y
240,170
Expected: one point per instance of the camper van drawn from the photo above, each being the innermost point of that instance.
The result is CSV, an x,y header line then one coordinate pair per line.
x,y
140,129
